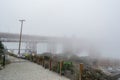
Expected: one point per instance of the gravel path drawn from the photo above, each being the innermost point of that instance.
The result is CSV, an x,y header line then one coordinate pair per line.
x,y
24,70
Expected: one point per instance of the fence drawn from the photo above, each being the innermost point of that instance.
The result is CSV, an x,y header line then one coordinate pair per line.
x,y
72,70
61,67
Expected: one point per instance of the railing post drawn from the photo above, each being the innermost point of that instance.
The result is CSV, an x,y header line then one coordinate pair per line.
x,y
43,62
61,65
50,64
3,63
81,71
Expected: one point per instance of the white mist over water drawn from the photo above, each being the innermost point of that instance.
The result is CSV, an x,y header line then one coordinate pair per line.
x,y
95,20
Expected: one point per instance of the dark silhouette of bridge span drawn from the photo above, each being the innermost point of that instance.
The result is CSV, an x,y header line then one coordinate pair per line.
x,y
69,45
12,37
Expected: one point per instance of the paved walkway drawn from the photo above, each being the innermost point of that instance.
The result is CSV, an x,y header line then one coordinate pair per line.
x,y
21,69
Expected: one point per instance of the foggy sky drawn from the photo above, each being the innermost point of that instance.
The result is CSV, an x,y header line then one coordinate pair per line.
x,y
95,20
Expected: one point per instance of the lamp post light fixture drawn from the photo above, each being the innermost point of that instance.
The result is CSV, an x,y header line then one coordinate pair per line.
x,y
22,20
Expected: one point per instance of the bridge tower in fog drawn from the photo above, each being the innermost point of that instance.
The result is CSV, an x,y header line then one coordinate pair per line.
x,y
71,46
51,47
31,47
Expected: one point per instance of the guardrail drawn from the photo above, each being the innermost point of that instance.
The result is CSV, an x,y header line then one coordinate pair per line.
x,y
74,71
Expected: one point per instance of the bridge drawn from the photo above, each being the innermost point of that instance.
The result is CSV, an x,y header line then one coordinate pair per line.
x,y
12,37
68,44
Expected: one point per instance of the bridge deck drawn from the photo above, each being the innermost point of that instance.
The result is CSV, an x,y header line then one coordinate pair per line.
x,y
25,70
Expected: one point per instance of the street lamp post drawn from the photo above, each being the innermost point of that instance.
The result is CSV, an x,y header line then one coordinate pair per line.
x,y
20,35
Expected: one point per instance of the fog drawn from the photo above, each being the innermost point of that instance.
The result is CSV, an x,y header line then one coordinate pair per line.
x,y
96,21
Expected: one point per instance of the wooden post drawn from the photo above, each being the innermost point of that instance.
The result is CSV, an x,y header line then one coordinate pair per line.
x,y
40,60
81,71
37,60
43,61
61,65
50,64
